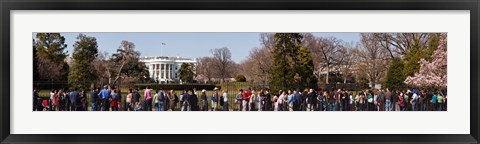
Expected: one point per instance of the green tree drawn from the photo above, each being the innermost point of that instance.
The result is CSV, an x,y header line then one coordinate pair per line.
x,y
395,77
240,78
186,73
284,58
52,47
82,71
305,67
415,54
36,75
125,63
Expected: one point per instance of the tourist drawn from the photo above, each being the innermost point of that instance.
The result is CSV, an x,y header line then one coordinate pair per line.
x,y
35,99
344,100
184,99
155,100
321,100
434,102
245,99
214,99
51,99
296,103
105,95
128,100
439,101
225,100
414,100
252,99
259,100
193,100
175,100
167,100
238,100
148,98
310,99
114,99
268,100
93,99
136,96
203,98
370,99
395,99
73,99
61,100
290,100
55,101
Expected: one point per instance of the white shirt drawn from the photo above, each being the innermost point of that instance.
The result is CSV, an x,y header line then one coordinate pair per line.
x,y
225,97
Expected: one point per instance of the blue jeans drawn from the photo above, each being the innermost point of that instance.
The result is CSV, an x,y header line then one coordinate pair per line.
x,y
127,106
387,105
414,104
161,104
332,106
225,106
94,106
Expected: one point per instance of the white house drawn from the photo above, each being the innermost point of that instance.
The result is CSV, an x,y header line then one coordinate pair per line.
x,y
163,68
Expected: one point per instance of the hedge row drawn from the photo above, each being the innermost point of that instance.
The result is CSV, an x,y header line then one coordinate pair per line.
x,y
178,86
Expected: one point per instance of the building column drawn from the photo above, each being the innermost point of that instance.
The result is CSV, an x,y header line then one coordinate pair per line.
x,y
153,71
150,70
164,74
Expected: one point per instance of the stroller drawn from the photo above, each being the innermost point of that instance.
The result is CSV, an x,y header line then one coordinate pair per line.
x,y
140,106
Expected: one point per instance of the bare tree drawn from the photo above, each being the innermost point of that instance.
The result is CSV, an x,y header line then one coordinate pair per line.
x,y
223,62
258,65
373,59
48,69
101,66
325,53
348,59
205,68
400,43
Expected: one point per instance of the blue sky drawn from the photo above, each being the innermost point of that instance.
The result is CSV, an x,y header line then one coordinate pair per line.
x,y
190,45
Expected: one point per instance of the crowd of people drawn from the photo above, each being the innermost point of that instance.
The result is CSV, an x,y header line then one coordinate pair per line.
x,y
110,99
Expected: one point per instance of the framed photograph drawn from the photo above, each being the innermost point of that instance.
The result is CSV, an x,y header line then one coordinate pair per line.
x,y
285,71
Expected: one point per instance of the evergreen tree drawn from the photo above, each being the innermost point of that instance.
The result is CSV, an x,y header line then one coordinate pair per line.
x,y
36,75
84,52
285,51
186,73
395,78
52,47
415,54
305,68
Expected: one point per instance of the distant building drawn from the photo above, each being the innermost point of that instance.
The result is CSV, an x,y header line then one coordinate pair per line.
x,y
164,69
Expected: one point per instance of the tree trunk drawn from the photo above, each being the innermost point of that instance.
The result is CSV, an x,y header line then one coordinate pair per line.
x,y
119,72
328,73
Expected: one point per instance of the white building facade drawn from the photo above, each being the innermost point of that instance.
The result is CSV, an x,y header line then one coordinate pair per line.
x,y
164,69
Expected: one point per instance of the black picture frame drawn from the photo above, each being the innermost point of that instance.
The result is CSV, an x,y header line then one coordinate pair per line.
x,y
7,5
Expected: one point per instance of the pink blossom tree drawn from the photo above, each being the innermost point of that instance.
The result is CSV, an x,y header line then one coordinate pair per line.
x,y
434,73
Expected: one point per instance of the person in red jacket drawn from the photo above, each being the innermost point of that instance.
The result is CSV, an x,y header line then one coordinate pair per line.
x,y
246,99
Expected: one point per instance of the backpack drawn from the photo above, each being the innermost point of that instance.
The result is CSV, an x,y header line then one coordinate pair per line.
x,y
161,97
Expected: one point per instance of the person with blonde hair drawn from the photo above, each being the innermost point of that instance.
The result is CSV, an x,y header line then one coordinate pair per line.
x,y
225,100
252,101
